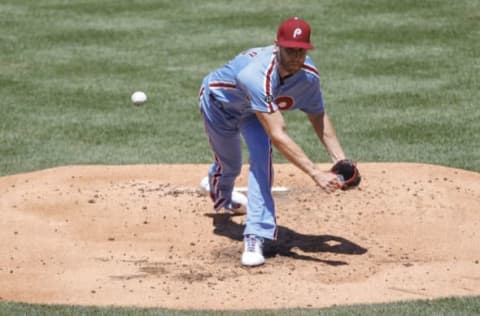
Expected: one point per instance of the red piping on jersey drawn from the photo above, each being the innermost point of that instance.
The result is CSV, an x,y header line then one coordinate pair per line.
x,y
215,193
310,69
219,204
268,84
220,84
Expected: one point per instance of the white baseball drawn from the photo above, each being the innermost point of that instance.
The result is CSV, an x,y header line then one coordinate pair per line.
x,y
139,97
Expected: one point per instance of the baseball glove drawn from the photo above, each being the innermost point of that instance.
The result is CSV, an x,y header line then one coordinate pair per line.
x,y
347,172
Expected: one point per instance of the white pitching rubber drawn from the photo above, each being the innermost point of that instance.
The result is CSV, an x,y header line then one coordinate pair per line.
x,y
275,189
206,187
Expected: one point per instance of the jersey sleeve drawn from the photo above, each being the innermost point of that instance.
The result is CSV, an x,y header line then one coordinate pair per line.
x,y
313,103
312,95
256,81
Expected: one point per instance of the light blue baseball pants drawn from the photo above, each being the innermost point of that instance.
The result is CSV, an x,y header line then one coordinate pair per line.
x,y
224,135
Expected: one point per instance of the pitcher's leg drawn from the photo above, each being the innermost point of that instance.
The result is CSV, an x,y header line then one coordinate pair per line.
x,y
227,152
261,208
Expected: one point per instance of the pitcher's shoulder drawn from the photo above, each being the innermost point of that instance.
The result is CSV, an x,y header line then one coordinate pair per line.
x,y
310,68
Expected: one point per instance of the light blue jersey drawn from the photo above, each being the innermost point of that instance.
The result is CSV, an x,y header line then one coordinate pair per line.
x,y
229,97
250,82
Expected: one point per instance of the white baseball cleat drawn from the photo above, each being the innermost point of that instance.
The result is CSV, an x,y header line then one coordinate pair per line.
x,y
239,200
253,251
236,209
204,184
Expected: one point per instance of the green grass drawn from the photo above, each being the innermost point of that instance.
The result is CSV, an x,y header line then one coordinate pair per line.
x,y
441,307
400,81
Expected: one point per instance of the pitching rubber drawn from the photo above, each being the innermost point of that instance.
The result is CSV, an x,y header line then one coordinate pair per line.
x,y
275,189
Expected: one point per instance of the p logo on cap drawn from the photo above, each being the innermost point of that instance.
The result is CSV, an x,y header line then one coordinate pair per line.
x,y
295,33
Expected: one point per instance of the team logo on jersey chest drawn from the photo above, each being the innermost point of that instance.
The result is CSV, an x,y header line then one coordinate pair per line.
x,y
284,102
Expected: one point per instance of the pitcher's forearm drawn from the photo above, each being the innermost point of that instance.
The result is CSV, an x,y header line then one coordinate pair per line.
x,y
293,153
333,148
326,134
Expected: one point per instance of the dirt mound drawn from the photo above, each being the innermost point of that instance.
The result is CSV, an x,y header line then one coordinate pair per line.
x,y
146,236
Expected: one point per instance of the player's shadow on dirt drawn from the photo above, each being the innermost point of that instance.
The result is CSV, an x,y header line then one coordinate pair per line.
x,y
288,240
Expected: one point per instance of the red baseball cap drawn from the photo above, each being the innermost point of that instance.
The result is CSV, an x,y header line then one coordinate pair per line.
x,y
294,32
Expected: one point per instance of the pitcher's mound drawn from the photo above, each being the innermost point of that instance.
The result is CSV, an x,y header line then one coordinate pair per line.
x,y
146,236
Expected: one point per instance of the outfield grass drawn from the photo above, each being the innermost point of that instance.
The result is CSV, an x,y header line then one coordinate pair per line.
x,y
400,80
